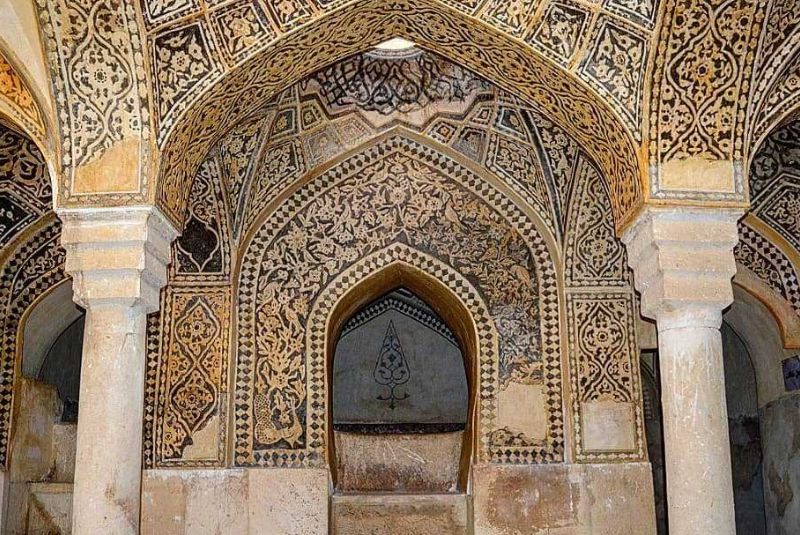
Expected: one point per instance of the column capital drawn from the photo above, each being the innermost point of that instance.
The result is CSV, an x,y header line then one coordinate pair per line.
x,y
682,259
117,256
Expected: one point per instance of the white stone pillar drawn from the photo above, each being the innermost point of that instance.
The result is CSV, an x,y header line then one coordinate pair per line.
x,y
683,264
117,259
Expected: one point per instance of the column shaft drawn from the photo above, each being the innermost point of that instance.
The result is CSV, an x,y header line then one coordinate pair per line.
x,y
683,264
108,480
117,259
697,449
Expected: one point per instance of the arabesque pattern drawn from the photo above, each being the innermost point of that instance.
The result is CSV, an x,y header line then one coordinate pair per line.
x,y
394,192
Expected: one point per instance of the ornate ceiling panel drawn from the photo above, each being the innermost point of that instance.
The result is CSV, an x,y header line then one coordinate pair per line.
x,y
776,78
775,182
775,192
355,100
205,61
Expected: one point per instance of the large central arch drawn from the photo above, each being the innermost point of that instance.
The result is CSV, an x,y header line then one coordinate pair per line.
x,y
438,207
508,63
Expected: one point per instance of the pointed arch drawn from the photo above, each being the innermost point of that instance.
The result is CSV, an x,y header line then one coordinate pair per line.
x,y
356,27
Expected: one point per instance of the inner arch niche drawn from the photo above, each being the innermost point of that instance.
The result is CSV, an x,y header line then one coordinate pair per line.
x,y
402,407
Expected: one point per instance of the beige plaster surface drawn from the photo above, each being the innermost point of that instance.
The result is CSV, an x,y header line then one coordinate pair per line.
x,y
275,501
608,426
392,514
532,421
698,174
20,39
607,499
50,509
402,463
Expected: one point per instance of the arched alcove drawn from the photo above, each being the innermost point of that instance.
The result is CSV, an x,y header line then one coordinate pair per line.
x,y
52,344
409,303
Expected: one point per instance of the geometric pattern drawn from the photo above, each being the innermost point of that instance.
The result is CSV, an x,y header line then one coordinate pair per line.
x,y
405,304
529,350
769,264
601,314
594,256
317,120
96,60
202,252
776,78
775,182
189,371
702,70
604,361
188,340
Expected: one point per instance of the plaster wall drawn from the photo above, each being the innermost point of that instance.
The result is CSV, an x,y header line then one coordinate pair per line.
x,y
275,501
780,427
591,499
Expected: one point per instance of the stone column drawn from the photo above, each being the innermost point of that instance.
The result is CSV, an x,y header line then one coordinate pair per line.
x,y
683,264
117,259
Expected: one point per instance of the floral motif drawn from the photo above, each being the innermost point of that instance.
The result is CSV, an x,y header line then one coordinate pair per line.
x,y
21,103
182,58
560,29
362,206
25,191
616,67
194,368
240,27
594,255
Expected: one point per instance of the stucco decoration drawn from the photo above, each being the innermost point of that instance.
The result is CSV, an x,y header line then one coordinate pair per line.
x,y
604,367
95,54
17,101
186,385
25,192
352,101
775,182
767,262
328,119
400,200
701,79
191,126
776,78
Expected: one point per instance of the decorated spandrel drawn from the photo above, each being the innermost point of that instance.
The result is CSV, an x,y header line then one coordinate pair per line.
x,y
391,369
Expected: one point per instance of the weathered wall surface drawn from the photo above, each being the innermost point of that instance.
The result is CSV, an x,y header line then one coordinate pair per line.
x,y
745,437
596,499
780,427
398,462
275,501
